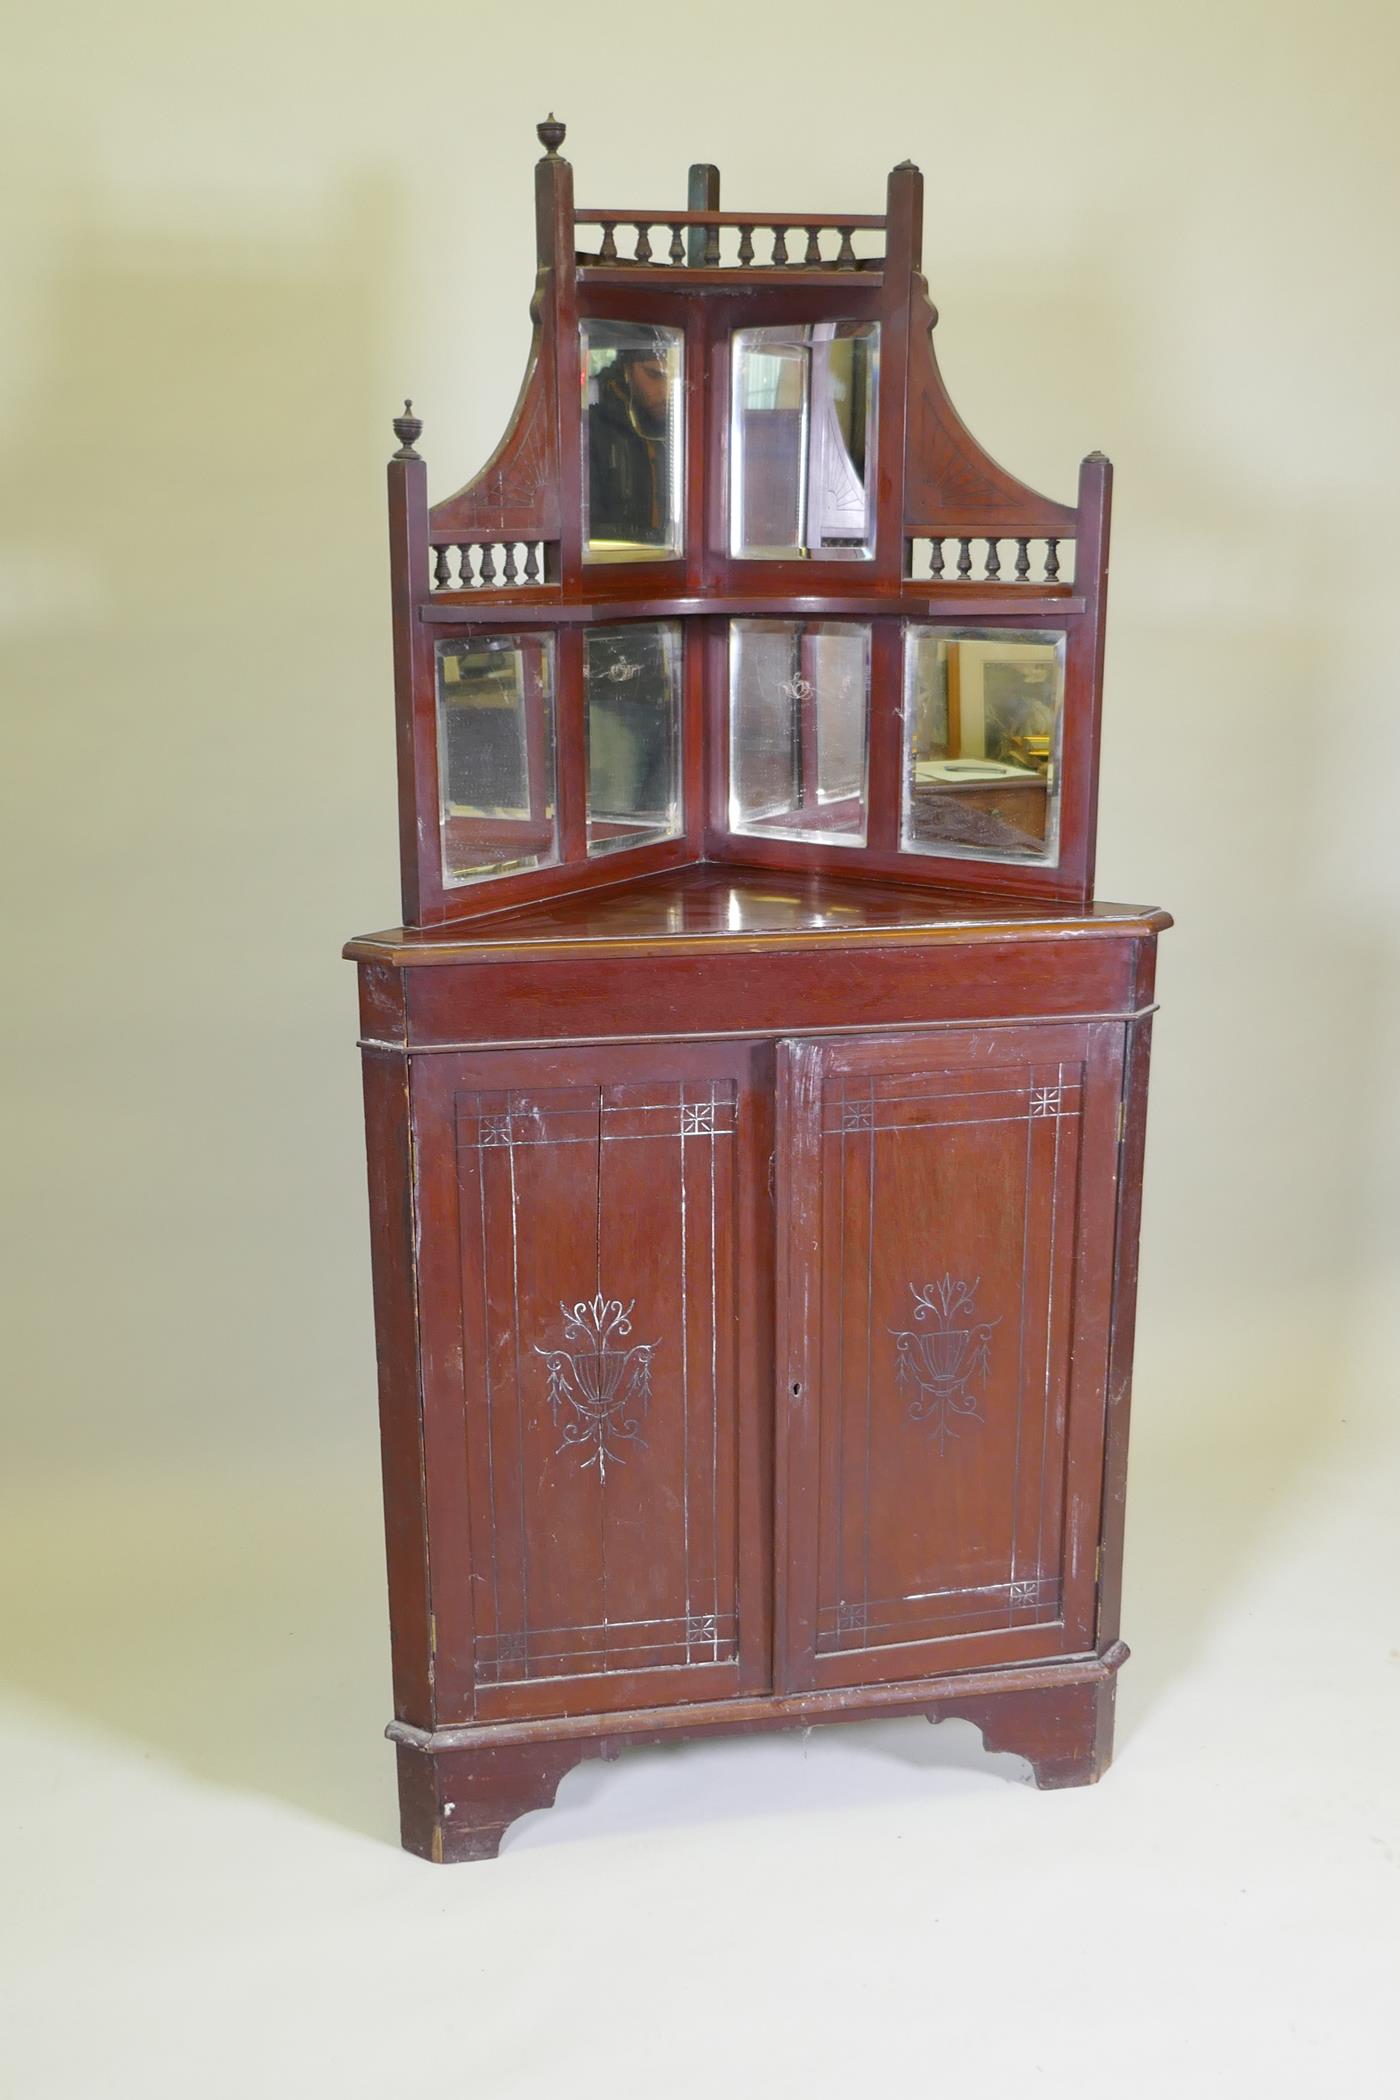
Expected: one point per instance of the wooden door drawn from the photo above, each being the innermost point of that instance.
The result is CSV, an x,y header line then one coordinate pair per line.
x,y
946,1208
596,1288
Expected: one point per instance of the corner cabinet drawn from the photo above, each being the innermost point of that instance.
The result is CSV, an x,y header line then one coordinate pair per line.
x,y
755,1092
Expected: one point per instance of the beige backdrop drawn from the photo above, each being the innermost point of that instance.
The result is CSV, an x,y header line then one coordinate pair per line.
x,y
233,239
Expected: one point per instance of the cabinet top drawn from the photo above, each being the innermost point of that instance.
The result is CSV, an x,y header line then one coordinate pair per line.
x,y
731,909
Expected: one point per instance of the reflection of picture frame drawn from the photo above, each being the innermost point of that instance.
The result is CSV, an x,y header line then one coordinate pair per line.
x,y
1006,693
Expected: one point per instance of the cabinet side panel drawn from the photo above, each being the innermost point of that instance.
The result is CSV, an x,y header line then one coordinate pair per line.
x,y
1120,1362
400,1394
1093,1272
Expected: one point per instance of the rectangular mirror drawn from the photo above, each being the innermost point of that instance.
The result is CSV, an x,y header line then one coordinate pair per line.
x,y
495,714
799,702
632,721
982,729
802,441
633,440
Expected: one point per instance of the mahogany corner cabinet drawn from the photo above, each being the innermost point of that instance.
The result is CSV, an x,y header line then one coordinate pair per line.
x,y
755,1093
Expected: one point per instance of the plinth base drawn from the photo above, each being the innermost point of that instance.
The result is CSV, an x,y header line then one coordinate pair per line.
x,y
460,1789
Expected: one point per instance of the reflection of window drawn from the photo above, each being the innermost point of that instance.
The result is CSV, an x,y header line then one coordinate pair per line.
x,y
632,723
798,705
802,440
982,733
496,755
632,440
762,378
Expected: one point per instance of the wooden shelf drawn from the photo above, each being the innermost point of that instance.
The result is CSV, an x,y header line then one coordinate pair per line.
x,y
952,601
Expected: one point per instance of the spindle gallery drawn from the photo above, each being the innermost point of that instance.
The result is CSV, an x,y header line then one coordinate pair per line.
x,y
755,1092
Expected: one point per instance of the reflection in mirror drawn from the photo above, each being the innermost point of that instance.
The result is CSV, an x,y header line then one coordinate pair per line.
x,y
631,373
496,755
982,726
803,441
799,694
632,691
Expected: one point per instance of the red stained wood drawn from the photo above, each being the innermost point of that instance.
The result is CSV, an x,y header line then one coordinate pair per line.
x,y
954,487
392,1232
461,1788
835,988
586,1218
931,477
950,1204
754,1222
865,1556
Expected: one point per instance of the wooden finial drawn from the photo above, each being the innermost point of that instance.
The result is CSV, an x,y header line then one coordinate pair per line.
x,y
550,134
408,428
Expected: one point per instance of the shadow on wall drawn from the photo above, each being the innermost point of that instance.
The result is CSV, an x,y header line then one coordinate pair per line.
x,y
1235,600
198,645
1270,1076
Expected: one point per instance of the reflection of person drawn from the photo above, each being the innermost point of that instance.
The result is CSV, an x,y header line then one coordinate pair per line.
x,y
631,727
629,757
629,436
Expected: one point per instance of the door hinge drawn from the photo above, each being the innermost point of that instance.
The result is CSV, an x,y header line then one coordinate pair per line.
x,y
1122,1119
1098,1567
432,1633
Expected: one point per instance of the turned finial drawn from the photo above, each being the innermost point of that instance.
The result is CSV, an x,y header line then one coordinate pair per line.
x,y
408,428
550,134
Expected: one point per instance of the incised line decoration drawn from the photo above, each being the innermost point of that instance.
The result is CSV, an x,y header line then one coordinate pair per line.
x,y
946,1359
599,1390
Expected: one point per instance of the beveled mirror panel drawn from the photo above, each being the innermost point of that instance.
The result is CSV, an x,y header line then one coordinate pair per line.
x,y
633,450
802,441
799,704
632,719
495,697
982,729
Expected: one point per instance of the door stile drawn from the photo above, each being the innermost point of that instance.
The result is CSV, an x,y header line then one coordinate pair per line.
x,y
798,1327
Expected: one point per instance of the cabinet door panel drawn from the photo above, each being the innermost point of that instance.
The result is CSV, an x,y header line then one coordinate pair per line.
x,y
593,1378
945,1288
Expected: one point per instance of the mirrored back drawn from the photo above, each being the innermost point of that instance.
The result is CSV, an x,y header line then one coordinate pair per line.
x,y
496,756
982,735
803,412
799,707
632,375
632,727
